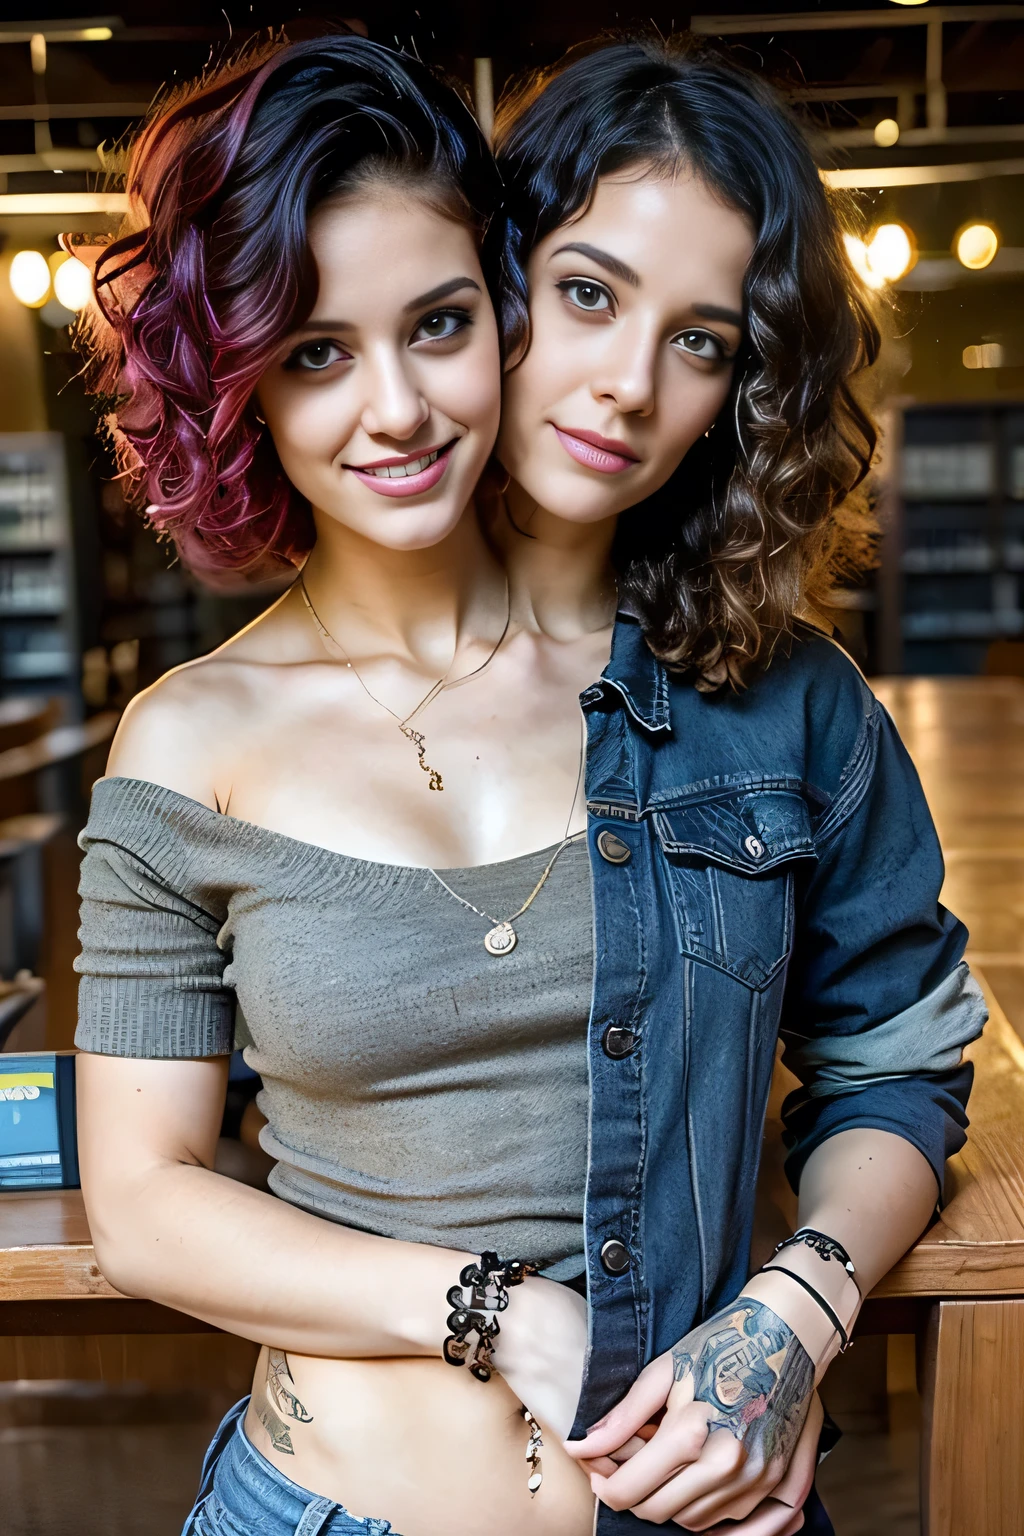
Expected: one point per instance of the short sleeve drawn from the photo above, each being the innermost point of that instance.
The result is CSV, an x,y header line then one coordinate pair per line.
x,y
152,974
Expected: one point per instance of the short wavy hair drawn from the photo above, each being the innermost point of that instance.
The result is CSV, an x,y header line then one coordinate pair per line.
x,y
213,269
759,519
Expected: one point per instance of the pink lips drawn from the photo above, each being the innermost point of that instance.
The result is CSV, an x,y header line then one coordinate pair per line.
x,y
604,454
406,485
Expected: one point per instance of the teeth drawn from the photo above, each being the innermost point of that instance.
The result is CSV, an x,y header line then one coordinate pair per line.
x,y
400,471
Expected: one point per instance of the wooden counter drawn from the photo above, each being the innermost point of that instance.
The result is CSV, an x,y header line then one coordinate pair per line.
x,y
961,1288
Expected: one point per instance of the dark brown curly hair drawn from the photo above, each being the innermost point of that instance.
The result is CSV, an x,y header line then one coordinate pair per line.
x,y
760,519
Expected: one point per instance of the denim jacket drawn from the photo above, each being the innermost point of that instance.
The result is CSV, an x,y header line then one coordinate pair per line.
x,y
764,865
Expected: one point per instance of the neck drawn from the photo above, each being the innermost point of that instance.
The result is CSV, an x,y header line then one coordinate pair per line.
x,y
414,604
561,581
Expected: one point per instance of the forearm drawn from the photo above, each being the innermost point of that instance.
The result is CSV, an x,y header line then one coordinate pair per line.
x,y
873,1192
261,1268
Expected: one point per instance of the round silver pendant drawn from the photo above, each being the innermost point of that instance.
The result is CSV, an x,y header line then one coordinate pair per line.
x,y
501,940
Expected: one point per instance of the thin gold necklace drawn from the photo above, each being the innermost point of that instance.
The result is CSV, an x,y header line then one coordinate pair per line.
x,y
501,938
415,737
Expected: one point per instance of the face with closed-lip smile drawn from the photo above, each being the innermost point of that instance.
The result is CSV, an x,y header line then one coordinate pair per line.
x,y
636,315
383,406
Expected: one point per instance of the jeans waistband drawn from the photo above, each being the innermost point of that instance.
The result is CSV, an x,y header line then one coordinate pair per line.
x,y
260,1497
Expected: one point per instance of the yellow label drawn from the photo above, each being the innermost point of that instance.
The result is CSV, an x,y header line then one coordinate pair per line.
x,y
26,1080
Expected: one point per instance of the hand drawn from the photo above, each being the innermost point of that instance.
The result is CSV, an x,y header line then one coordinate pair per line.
x,y
542,1348
736,1393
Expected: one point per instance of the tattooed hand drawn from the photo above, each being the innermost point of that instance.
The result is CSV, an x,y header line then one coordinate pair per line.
x,y
733,1398
750,1368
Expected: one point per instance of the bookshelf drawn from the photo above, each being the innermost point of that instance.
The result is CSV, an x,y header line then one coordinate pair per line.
x,y
955,545
39,647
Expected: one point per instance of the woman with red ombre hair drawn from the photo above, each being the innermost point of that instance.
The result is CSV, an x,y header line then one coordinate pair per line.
x,y
298,344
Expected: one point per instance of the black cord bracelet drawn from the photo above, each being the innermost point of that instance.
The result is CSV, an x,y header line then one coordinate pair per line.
x,y
824,1246
490,1275
777,1269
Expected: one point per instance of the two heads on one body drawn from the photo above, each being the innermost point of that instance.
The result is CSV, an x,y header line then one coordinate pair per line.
x,y
386,403
338,314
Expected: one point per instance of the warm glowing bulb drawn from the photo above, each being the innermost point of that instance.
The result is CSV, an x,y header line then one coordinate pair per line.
x,y
891,252
72,283
887,132
910,2
104,34
857,251
976,246
30,278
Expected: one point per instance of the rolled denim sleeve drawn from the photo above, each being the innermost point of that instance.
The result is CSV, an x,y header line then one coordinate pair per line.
x,y
879,1002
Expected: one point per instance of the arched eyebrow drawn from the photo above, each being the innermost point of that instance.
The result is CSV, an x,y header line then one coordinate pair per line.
x,y
719,312
604,259
424,301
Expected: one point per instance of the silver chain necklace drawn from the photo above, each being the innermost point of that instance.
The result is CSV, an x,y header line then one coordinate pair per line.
x,y
501,938
416,738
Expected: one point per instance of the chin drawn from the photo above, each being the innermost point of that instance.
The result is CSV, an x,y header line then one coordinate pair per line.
x,y
577,497
415,528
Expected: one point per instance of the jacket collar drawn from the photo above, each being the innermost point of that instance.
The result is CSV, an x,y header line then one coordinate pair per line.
x,y
636,675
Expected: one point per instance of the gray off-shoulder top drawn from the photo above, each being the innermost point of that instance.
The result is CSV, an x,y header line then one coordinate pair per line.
x,y
414,1085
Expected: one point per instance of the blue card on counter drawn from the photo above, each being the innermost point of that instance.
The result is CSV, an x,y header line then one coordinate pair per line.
x,y
38,1147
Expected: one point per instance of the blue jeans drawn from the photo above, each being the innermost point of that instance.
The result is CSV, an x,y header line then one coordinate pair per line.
x,y
241,1494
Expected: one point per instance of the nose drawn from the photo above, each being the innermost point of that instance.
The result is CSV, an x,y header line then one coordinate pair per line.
x,y
394,406
627,375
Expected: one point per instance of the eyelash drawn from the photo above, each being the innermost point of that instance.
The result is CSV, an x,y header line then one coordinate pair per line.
x,y
724,356
295,363
463,316
566,285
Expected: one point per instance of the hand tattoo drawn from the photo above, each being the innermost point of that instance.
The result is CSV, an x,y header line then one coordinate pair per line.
x,y
750,1368
276,1388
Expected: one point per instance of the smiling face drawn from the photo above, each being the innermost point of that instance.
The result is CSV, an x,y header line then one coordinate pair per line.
x,y
636,315
384,405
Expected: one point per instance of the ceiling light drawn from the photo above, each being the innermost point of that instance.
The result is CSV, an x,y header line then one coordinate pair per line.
x,y
30,278
910,2
891,252
976,246
104,34
887,132
72,283
857,251
987,354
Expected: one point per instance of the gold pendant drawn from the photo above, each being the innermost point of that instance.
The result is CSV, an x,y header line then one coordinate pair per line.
x,y
416,737
501,940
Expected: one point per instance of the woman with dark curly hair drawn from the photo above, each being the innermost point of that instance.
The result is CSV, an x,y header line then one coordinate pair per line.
x,y
515,1051
681,441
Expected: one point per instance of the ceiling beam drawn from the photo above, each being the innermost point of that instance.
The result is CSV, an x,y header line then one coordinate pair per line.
x,y
41,110
845,21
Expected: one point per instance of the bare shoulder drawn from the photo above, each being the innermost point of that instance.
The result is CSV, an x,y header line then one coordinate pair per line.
x,y
186,730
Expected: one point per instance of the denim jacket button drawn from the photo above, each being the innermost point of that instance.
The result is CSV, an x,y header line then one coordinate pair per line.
x,y
617,1041
615,1258
754,846
613,848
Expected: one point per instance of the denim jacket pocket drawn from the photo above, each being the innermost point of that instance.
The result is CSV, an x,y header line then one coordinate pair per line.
x,y
731,858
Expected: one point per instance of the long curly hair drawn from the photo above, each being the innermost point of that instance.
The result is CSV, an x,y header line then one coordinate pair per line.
x,y
212,269
760,517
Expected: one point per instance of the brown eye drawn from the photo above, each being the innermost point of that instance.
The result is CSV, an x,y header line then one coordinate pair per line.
x,y
442,325
315,356
586,295
704,345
